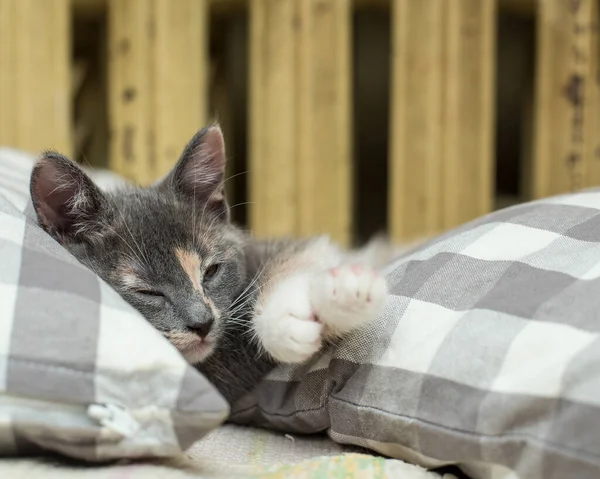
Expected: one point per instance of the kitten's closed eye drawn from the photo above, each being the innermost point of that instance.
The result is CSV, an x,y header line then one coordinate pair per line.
x,y
151,294
211,271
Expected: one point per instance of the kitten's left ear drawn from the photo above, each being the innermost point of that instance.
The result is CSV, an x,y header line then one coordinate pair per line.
x,y
68,204
199,173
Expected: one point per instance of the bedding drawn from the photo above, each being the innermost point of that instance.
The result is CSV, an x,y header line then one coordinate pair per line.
x,y
347,466
487,354
81,372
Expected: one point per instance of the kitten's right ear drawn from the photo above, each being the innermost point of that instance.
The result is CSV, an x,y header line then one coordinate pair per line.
x,y
198,176
65,199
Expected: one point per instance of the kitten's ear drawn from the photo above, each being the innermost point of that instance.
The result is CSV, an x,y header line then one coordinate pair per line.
x,y
65,199
199,173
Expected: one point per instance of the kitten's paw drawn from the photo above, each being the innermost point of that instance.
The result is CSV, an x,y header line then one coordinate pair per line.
x,y
287,326
296,340
347,297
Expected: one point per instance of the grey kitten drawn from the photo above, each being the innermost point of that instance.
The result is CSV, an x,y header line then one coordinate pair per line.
x,y
232,305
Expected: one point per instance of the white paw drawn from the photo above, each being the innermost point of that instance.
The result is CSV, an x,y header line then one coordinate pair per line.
x,y
347,297
287,326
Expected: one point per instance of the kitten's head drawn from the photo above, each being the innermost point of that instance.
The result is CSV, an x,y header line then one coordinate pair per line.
x,y
169,249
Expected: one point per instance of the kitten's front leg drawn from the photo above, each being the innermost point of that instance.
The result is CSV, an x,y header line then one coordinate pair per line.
x,y
308,306
304,299
285,323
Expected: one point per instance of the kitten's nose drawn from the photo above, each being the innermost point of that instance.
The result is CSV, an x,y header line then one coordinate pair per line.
x,y
201,328
199,318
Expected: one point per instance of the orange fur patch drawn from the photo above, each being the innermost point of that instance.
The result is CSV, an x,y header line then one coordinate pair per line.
x,y
190,262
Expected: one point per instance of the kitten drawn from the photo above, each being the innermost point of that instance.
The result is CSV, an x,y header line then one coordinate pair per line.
x,y
232,305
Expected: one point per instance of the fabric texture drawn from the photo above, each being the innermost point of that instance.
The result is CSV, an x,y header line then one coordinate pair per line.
x,y
81,372
254,446
487,354
347,466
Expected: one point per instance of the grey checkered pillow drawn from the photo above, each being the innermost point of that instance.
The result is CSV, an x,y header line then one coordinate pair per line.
x,y
487,354
81,372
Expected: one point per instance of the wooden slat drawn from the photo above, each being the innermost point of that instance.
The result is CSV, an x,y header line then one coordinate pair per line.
x,y
129,24
300,119
272,162
180,69
35,96
7,77
564,81
324,119
157,83
468,168
415,134
593,103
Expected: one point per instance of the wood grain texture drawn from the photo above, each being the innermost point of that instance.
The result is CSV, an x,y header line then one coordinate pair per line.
x,y
130,89
441,162
7,76
468,114
35,72
157,83
273,119
592,134
416,114
564,88
180,55
300,118
324,119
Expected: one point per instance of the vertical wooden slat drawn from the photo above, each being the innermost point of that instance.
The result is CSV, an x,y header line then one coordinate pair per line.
x,y
300,119
256,147
35,95
415,135
564,81
273,175
593,103
551,119
324,119
181,68
7,77
158,64
129,89
468,110
577,92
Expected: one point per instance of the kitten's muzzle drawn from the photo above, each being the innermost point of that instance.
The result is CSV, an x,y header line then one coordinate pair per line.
x,y
199,319
201,329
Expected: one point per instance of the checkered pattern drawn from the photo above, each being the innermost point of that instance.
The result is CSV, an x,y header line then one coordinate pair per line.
x,y
487,354
81,372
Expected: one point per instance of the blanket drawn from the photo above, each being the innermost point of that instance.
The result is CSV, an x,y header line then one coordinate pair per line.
x,y
345,466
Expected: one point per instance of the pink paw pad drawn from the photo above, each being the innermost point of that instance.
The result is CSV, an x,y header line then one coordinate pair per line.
x,y
357,269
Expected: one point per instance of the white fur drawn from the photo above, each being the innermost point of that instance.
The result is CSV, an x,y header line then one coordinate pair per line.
x,y
309,305
348,297
285,326
129,281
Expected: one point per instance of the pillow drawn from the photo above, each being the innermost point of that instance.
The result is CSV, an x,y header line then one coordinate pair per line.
x,y
81,372
487,354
